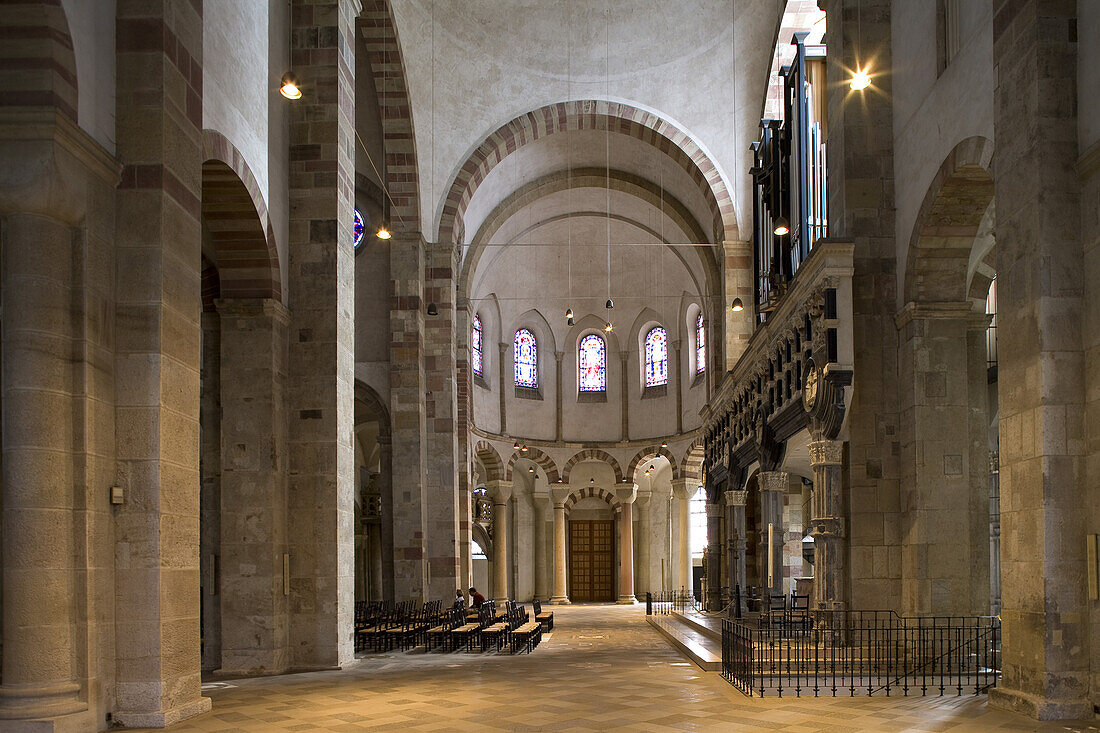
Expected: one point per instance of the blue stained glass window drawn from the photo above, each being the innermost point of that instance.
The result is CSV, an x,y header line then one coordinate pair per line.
x,y
591,364
358,228
526,359
700,346
656,358
475,342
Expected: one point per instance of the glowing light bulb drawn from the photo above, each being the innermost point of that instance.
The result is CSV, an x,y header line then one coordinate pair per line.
x,y
860,80
383,232
289,87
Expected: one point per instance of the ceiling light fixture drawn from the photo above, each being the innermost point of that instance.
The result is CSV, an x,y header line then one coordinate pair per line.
x,y
608,327
860,79
515,446
782,226
433,309
288,86
737,306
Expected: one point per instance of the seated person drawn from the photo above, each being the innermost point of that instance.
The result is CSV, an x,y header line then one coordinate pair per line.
x,y
476,599
460,600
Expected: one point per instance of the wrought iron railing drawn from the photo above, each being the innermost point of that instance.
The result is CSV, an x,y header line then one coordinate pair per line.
x,y
664,603
837,653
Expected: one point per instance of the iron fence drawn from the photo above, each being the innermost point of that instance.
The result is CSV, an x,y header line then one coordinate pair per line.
x,y
664,603
835,653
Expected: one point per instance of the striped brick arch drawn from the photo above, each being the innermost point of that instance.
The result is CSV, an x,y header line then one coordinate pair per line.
x,y
376,27
588,491
592,454
588,115
235,215
36,52
947,224
652,451
539,458
691,466
490,461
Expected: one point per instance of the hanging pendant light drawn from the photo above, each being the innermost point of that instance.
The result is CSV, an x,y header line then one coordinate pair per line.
x,y
569,316
515,446
609,304
288,86
608,327
737,306
860,80
782,226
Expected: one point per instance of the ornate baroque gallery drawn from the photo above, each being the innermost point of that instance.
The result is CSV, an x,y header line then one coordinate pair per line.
x,y
316,311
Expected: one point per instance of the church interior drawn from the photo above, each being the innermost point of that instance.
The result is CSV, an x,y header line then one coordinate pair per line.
x,y
735,351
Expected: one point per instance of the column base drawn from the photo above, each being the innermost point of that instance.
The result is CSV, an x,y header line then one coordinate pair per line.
x,y
71,723
162,718
559,601
1040,708
43,707
629,600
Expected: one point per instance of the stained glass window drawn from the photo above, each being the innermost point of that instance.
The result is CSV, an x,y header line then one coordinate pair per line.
x,y
475,341
358,228
700,346
656,358
526,359
591,364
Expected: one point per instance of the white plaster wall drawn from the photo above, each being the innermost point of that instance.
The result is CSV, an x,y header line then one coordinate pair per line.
x,y
474,65
92,27
932,115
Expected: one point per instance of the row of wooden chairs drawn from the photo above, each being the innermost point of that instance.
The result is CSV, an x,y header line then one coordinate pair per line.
x,y
403,625
786,613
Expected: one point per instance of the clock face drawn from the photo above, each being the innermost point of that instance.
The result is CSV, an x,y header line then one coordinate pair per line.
x,y
809,388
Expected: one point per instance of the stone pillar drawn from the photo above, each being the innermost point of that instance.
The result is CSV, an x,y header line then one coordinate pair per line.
x,y
374,561
505,383
624,357
558,496
713,598
679,382
684,489
827,526
157,363
465,518
626,493
559,356
945,514
499,493
1042,381
738,282
643,577
385,462
773,493
38,532
542,505
210,499
322,333
737,540
253,478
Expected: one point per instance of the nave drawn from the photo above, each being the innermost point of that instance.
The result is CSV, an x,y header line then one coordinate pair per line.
x,y
602,668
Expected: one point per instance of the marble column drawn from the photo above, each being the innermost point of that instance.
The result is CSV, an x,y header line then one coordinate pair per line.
x,y
684,490
559,356
624,357
499,493
254,608
558,497
541,500
626,493
827,526
713,598
38,532
773,493
736,540
643,577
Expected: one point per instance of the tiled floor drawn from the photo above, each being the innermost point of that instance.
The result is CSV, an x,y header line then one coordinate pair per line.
x,y
603,668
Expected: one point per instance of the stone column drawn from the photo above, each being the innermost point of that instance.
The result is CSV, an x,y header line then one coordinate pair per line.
x,y
559,356
374,561
210,500
679,382
157,364
624,357
499,493
558,496
541,500
38,533
713,598
738,282
626,493
945,495
1042,275
505,383
737,540
385,528
253,478
643,576
321,496
773,492
827,526
684,490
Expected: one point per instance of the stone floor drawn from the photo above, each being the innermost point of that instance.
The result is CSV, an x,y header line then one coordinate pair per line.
x,y
602,668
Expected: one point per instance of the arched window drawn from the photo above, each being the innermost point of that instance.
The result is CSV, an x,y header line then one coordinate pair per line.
x,y
475,346
591,366
526,359
359,226
656,358
700,346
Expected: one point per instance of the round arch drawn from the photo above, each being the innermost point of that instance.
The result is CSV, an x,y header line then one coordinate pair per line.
x,y
691,466
490,460
593,491
653,451
592,454
537,457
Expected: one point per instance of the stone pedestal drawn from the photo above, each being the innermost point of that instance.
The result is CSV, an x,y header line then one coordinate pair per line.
x,y
558,496
684,490
773,493
626,496
499,493
827,526
736,541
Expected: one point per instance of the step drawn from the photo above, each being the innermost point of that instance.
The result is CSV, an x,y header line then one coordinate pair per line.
x,y
700,649
708,626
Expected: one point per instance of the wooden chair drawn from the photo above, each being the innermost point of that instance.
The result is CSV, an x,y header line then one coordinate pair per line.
x,y
546,618
527,634
799,613
774,614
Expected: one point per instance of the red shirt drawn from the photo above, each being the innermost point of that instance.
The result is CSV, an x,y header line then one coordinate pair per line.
x,y
477,600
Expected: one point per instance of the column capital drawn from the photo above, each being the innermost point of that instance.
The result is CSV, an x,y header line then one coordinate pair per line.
x,y
684,488
737,498
773,480
559,495
826,453
626,492
714,511
559,356
498,491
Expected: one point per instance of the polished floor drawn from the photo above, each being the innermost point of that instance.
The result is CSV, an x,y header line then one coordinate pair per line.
x,y
603,668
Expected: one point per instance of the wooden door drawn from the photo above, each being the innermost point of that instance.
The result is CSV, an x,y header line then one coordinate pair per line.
x,y
591,560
